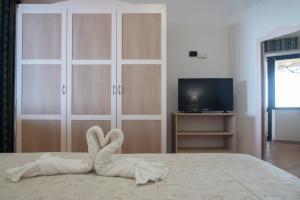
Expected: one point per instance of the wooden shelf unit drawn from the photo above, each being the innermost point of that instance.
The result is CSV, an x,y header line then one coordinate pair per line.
x,y
207,133
203,132
203,150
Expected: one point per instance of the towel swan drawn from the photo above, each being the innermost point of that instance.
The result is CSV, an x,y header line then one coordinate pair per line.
x,y
98,159
53,165
140,170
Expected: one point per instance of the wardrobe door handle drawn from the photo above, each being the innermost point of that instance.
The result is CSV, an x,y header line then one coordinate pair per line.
x,y
114,90
63,89
120,89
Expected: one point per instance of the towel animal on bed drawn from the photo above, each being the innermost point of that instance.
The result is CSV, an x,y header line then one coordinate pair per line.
x,y
100,151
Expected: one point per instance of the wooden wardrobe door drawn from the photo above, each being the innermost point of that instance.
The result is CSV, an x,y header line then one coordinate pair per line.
x,y
141,74
91,90
41,89
92,72
141,99
141,89
40,79
41,135
142,136
41,36
141,36
92,35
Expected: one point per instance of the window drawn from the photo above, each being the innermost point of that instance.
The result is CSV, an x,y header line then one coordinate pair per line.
x,y
287,83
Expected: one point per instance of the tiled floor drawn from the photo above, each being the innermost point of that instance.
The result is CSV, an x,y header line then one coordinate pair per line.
x,y
285,156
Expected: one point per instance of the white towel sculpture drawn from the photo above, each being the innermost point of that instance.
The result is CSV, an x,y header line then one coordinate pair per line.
x,y
99,159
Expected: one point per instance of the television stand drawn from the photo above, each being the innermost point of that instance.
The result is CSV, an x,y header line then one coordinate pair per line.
x,y
203,132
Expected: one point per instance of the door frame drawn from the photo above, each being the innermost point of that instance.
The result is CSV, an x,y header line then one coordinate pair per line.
x,y
260,80
271,60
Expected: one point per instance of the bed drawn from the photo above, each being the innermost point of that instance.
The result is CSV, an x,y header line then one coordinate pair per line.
x,y
192,176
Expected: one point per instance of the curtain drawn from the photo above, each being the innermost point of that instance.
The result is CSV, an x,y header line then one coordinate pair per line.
x,y
285,44
7,65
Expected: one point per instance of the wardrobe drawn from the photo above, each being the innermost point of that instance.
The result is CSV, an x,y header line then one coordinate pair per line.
x,y
82,63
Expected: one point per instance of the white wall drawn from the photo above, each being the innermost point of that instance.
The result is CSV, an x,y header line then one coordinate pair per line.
x,y
256,22
287,125
185,37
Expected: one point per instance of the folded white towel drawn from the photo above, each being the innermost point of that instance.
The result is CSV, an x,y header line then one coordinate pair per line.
x,y
98,159
48,165
52,165
140,170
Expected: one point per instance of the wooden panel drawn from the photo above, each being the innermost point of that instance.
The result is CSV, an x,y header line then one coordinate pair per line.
x,y
141,36
91,36
203,150
174,133
41,90
91,92
141,136
200,141
79,129
230,126
41,36
209,123
141,89
41,135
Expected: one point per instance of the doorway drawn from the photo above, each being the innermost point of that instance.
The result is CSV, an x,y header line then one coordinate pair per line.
x,y
281,102
283,80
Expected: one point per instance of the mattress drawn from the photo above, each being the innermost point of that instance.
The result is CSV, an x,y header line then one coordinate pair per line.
x,y
192,176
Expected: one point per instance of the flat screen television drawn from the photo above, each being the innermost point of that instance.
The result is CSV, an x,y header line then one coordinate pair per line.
x,y
205,94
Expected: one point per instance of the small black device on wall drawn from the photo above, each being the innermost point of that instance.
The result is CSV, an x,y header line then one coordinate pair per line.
x,y
193,54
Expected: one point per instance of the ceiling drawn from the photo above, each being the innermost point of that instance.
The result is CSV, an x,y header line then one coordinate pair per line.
x,y
206,12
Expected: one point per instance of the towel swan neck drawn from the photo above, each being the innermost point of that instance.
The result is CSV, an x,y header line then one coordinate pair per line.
x,y
92,138
99,147
140,170
104,156
96,140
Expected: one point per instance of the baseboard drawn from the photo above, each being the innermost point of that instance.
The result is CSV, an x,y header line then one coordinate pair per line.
x,y
287,141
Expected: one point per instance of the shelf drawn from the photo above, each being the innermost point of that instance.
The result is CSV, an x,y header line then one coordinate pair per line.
x,y
203,150
203,133
209,129
205,114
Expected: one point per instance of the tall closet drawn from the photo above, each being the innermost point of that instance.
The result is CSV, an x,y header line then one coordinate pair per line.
x,y
85,63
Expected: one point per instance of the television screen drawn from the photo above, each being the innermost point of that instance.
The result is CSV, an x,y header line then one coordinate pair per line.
x,y
205,94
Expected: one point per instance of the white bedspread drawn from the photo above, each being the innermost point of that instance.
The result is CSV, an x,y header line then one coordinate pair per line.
x,y
191,176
